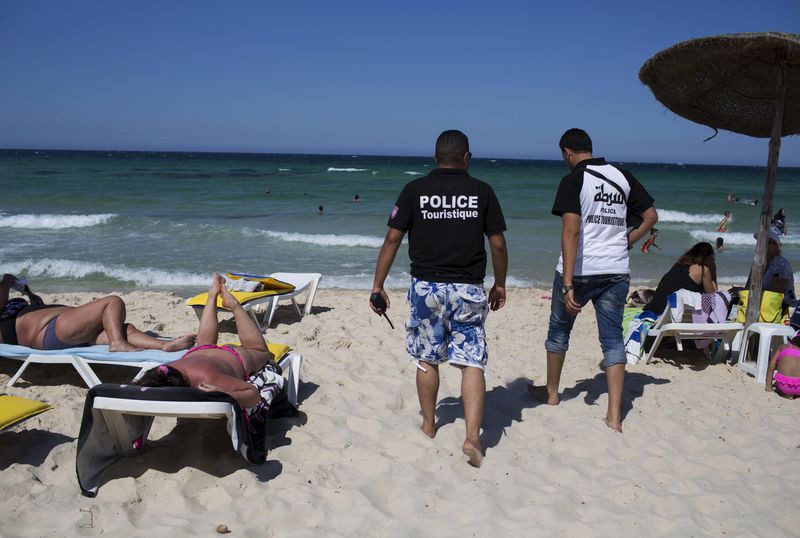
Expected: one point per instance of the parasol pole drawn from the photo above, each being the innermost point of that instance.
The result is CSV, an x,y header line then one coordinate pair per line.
x,y
760,261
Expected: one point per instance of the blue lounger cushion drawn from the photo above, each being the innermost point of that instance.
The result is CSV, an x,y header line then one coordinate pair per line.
x,y
93,353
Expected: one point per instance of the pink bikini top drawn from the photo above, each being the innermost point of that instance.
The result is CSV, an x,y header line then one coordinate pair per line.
x,y
787,351
229,349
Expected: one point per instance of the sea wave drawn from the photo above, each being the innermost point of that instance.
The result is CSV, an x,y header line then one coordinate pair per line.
x,y
668,215
75,269
742,280
737,238
411,173
53,221
332,169
328,240
364,280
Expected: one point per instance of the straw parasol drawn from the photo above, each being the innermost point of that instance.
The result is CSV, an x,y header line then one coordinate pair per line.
x,y
745,83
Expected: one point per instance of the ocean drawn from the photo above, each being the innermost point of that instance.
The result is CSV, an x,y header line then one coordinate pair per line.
x,y
119,221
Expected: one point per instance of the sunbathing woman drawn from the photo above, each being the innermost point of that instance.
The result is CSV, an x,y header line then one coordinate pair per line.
x,y
695,270
214,368
785,366
37,325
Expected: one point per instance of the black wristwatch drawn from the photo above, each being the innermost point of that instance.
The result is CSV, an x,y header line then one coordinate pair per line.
x,y
565,289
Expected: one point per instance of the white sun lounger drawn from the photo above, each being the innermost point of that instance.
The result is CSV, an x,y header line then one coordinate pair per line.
x,y
81,358
117,420
664,328
263,309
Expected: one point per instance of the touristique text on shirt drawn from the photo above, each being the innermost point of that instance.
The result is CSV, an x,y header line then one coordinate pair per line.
x,y
448,207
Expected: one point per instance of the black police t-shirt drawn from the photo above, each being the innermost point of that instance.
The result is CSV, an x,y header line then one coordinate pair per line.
x,y
446,214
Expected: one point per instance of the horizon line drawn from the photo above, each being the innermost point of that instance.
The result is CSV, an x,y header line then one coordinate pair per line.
x,y
350,154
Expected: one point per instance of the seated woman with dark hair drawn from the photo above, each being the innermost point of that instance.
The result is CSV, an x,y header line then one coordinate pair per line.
x,y
214,368
40,326
695,271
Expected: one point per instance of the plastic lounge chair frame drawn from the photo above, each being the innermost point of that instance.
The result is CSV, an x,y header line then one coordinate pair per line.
x,y
81,364
664,328
290,363
263,309
114,409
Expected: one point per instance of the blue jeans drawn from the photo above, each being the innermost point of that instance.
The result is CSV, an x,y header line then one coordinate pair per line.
x,y
608,294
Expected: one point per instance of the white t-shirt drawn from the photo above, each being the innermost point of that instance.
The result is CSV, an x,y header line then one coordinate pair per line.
x,y
603,205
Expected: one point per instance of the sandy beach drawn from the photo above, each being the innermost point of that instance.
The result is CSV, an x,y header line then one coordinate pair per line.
x,y
706,451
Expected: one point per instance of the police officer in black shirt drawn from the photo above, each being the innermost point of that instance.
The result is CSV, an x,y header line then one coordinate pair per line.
x,y
446,215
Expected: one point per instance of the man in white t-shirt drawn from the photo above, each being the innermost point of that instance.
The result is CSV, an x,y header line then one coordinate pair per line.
x,y
596,202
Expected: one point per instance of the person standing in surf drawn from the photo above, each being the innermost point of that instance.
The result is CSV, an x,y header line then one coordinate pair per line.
x,y
595,201
722,227
651,241
447,214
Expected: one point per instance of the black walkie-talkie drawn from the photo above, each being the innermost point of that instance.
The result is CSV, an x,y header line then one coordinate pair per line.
x,y
377,300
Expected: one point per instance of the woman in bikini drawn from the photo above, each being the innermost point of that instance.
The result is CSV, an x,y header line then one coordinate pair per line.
x,y
215,368
785,368
40,326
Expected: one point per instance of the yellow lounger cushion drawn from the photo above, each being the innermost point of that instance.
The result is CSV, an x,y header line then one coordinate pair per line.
x,y
14,409
271,287
279,350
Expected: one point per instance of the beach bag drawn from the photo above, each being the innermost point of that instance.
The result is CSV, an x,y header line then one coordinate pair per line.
x,y
794,321
771,307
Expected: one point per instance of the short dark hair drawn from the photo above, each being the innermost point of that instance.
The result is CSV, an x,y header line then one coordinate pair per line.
x,y
162,376
577,140
451,146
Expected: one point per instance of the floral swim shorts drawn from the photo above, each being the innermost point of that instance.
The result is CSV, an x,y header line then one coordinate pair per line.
x,y
447,323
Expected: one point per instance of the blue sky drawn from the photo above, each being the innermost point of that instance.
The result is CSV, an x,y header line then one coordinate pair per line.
x,y
361,77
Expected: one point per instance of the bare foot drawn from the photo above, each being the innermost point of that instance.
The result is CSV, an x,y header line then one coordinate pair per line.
x,y
541,394
184,342
616,426
123,346
428,429
217,284
474,453
228,300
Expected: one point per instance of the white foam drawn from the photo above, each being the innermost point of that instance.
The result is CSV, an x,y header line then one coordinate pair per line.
x,y
738,238
363,281
328,240
332,169
52,221
72,269
731,281
284,169
668,215
413,173
512,282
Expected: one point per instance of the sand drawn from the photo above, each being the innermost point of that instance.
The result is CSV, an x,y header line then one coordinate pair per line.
x,y
706,451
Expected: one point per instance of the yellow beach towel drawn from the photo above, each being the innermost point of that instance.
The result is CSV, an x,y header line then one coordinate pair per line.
x,y
14,409
269,285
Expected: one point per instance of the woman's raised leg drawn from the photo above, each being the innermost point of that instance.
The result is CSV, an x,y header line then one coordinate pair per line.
x,y
249,334
208,333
